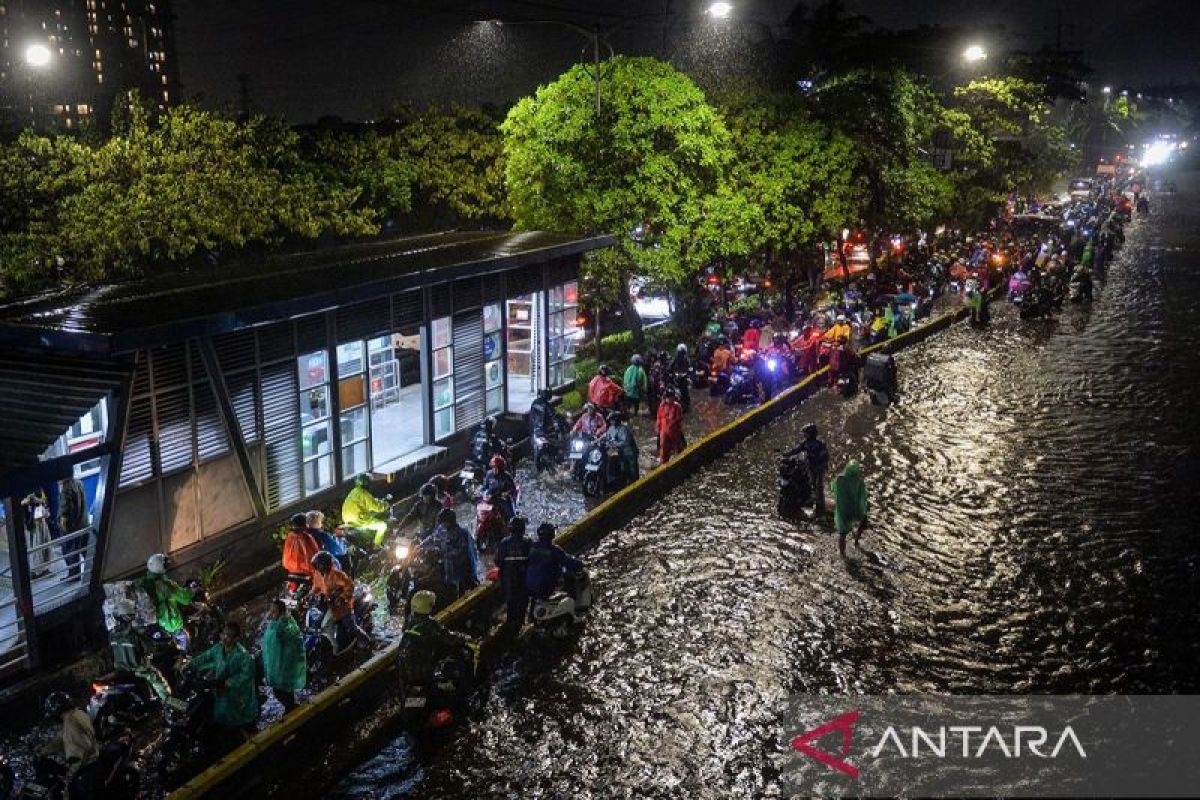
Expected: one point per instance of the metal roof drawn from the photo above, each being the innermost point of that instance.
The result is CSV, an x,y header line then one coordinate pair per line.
x,y
43,395
120,318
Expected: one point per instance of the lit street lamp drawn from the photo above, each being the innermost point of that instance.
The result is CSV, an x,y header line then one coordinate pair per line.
x,y
720,10
1107,90
974,54
37,55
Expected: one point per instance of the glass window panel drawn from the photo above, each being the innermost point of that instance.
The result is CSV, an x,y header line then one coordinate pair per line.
x,y
493,374
443,423
379,344
318,474
568,371
349,358
354,459
354,425
571,293
556,375
492,318
520,341
492,345
443,362
495,401
441,333
443,393
556,298
314,404
312,369
557,323
315,440
568,346
352,392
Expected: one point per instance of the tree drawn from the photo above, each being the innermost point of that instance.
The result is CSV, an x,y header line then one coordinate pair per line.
x,y
646,171
375,164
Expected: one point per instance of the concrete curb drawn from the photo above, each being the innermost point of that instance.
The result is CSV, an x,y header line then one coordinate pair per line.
x,y
233,775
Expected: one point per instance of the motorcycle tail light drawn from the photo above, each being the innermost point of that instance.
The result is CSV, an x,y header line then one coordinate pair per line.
x,y
441,718
99,687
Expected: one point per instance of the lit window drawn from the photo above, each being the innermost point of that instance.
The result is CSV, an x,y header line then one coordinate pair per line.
x,y
83,108
164,79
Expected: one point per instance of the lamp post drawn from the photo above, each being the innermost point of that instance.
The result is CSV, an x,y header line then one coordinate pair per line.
x,y
37,57
974,54
592,35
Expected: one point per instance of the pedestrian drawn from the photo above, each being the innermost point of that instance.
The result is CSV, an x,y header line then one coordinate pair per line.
x,y
637,384
512,558
816,456
669,426
72,527
235,702
285,668
849,504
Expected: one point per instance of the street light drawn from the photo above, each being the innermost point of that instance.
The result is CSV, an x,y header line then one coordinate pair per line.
x,y
720,10
37,55
974,54
1107,90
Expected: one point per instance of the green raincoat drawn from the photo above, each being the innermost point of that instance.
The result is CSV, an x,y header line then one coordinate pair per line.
x,y
849,498
236,703
284,665
1089,255
168,597
636,382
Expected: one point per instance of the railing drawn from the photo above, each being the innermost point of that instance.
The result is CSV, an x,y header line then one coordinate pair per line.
x,y
14,646
60,568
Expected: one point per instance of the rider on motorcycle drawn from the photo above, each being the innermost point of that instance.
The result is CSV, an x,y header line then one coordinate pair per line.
x,y
361,509
129,651
338,588
542,416
77,744
500,483
426,509
620,438
722,356
486,443
169,597
328,541
603,391
547,564
299,547
591,422
426,642
460,563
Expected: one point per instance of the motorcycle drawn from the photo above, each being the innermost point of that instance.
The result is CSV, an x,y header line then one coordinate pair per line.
x,y
743,386
414,569
700,373
683,388
794,486
470,477
490,524
324,638
117,778
433,703
548,445
718,383
187,724
776,374
559,613
602,470
576,449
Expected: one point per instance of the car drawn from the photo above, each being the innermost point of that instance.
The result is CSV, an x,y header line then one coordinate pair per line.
x,y
1081,188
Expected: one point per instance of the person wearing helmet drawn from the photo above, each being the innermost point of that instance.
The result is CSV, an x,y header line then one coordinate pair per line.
x,y
425,510
839,330
603,391
169,597
129,650
502,486
460,562
668,425
542,418
332,542
235,701
547,564
620,438
752,336
591,422
816,455
512,559
76,743
363,510
299,547
486,443
426,643
338,588
285,667
637,384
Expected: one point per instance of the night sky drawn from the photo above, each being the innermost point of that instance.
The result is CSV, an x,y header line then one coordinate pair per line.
x,y
353,58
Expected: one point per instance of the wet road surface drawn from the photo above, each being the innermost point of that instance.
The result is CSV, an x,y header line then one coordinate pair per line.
x,y
1031,532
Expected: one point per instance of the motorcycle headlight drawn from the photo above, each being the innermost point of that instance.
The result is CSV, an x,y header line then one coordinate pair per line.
x,y
577,445
595,457
401,551
772,364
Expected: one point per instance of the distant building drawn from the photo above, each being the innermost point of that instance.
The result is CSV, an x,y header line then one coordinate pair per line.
x,y
63,62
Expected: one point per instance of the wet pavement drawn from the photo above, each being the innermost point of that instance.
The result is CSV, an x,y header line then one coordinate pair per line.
x,y
1030,533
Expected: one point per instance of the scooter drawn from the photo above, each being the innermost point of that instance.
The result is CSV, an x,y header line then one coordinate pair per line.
x,y
433,703
548,446
576,449
743,386
490,524
187,724
562,611
324,639
602,470
792,482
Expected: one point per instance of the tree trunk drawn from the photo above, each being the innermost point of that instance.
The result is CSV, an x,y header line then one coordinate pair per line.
x,y
632,319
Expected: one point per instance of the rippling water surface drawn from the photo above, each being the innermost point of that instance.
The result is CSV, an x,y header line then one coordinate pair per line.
x,y
1031,531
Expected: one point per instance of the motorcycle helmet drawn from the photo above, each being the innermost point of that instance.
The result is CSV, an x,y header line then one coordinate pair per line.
x,y
297,522
588,408
322,562
810,430
427,490
423,602
124,610
57,703
447,516
498,463
681,348
603,370
616,418
545,394
546,531
363,480
157,564
489,424
637,359
517,525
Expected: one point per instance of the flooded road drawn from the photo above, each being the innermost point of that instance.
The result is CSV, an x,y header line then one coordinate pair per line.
x,y
1031,532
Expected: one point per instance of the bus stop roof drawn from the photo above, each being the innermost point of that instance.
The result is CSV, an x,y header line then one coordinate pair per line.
x,y
119,318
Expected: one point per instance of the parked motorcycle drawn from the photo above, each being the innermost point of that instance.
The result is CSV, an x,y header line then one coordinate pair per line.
x,y
562,611
793,484
324,639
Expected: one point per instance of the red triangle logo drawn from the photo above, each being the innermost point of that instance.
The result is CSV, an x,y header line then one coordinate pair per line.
x,y
845,724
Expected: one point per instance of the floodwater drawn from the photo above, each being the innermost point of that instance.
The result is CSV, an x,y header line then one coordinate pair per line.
x,y
1030,533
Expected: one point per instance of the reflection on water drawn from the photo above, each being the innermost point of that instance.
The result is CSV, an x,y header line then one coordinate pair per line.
x,y
1030,533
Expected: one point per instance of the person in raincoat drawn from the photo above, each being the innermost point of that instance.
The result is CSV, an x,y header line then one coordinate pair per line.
x,y
849,504
168,597
669,426
235,703
361,509
460,562
637,384
285,668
